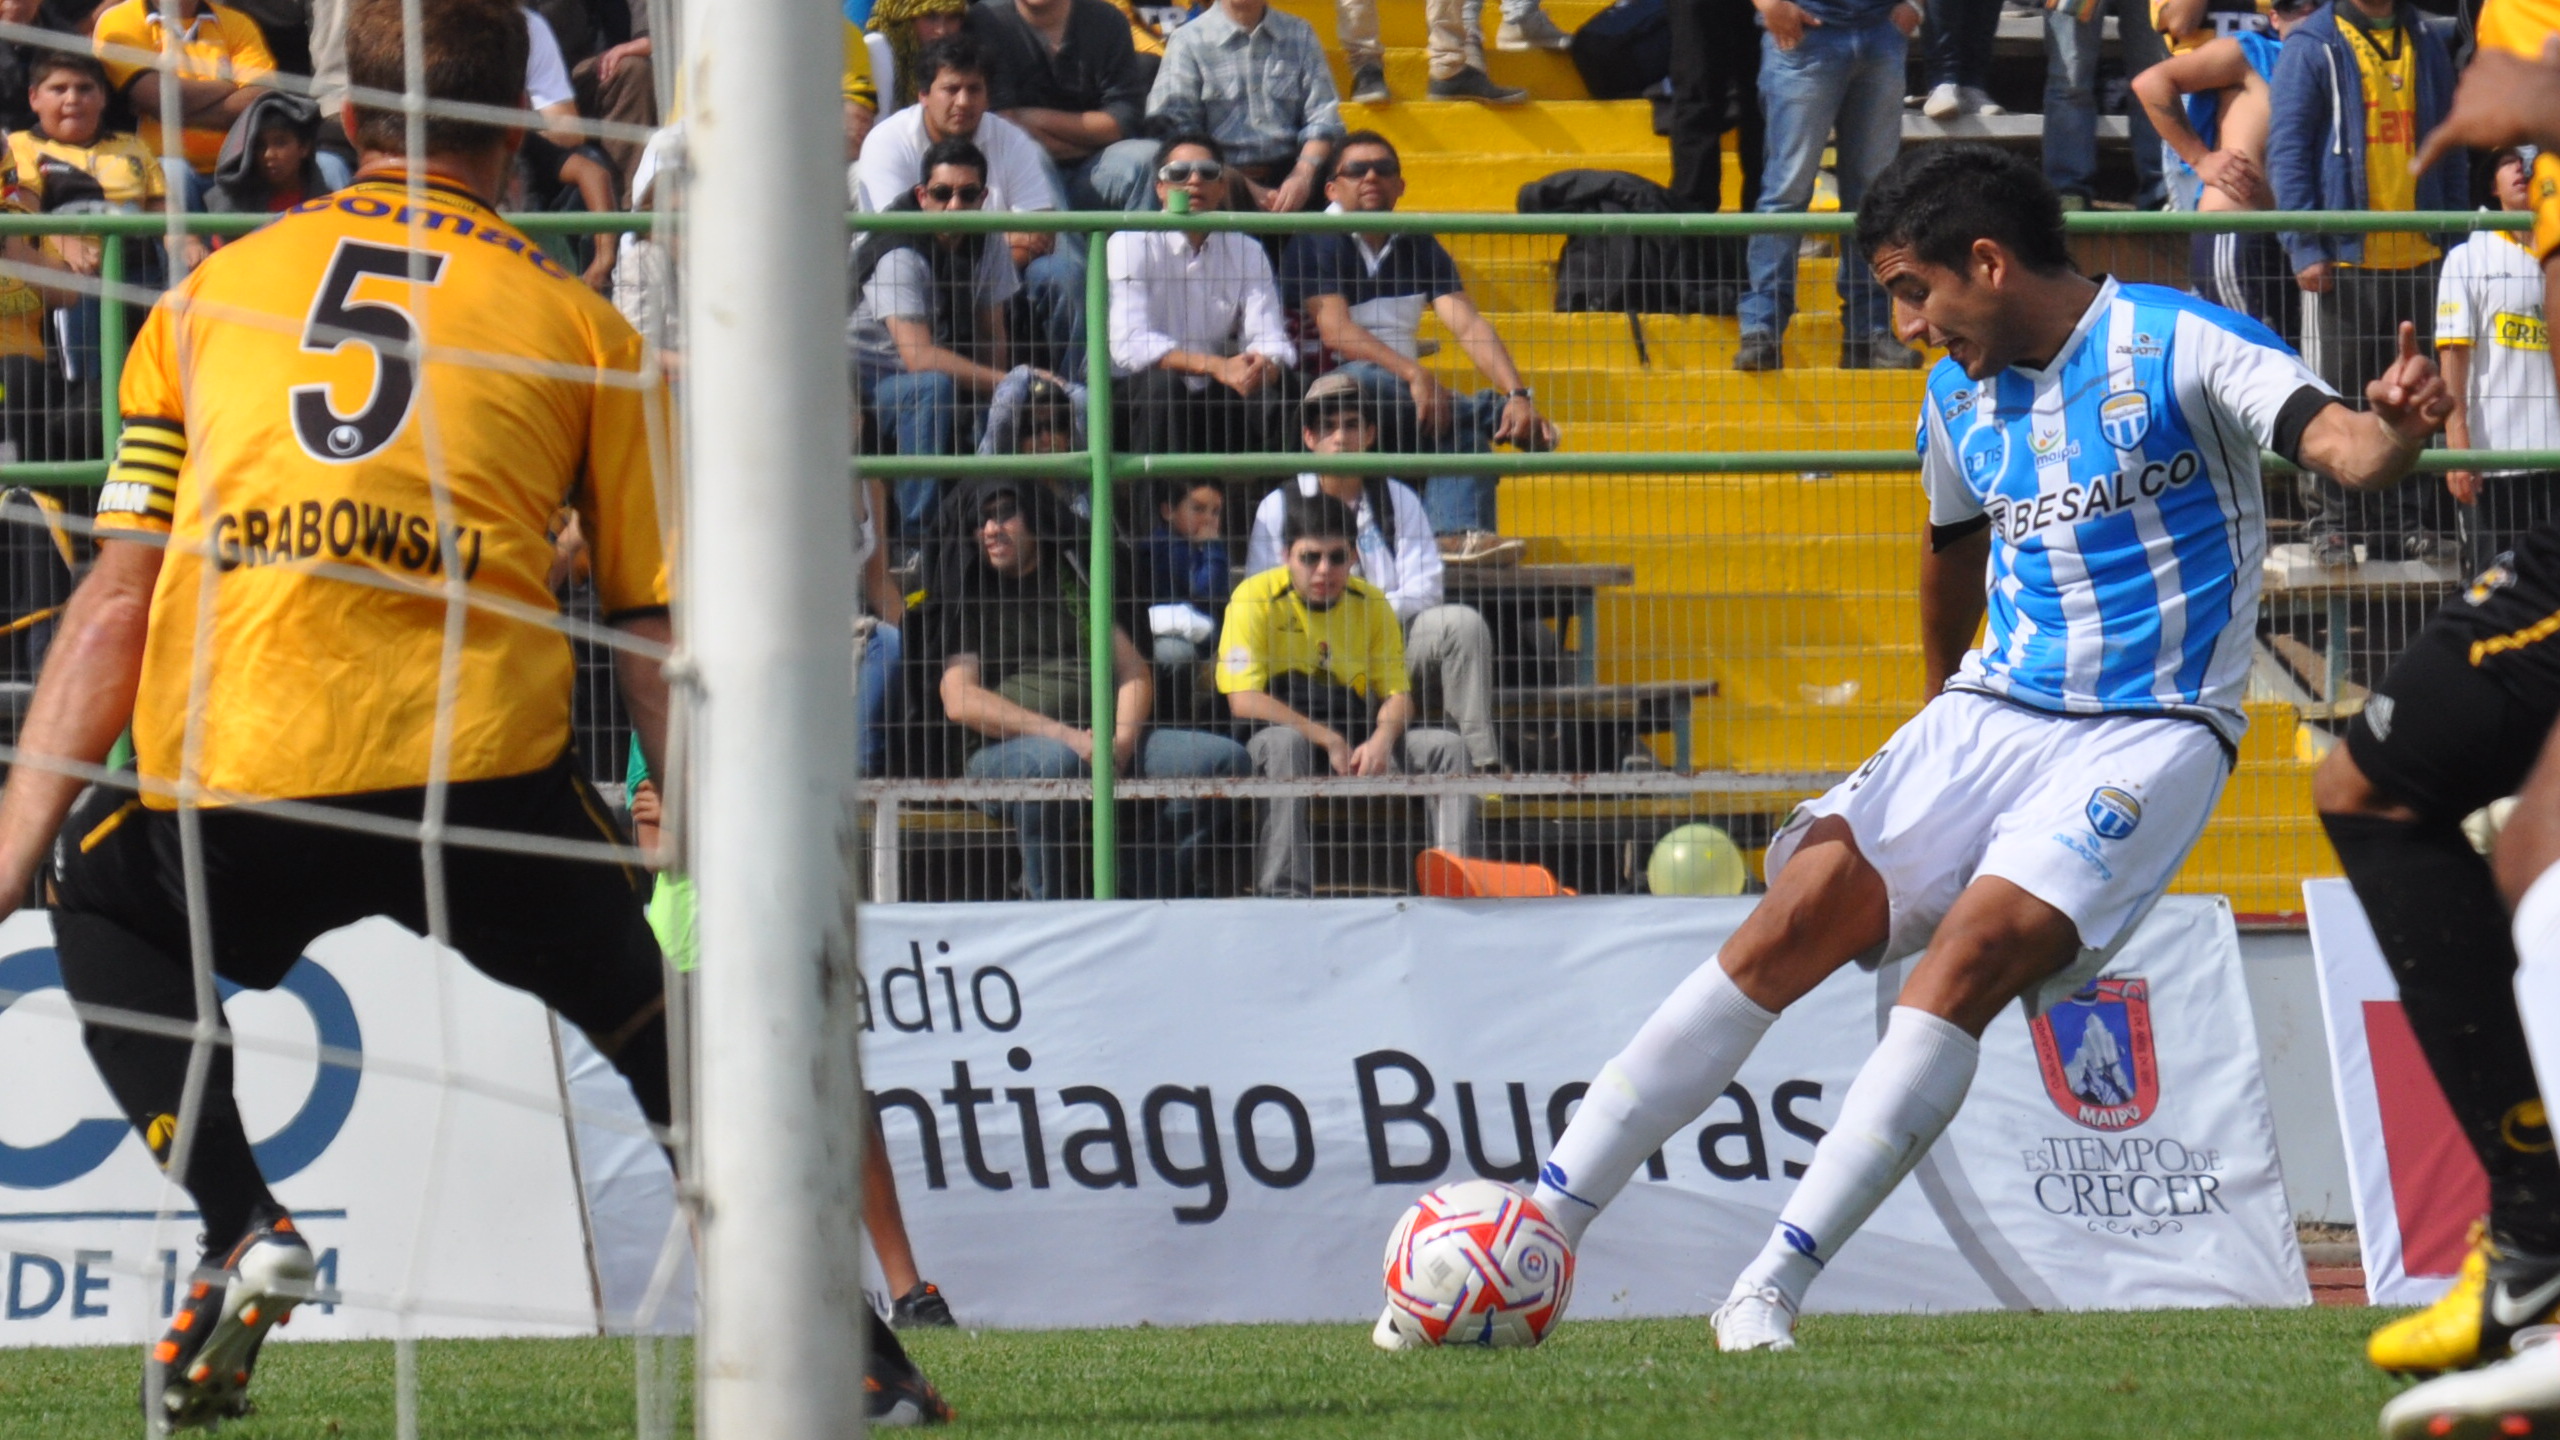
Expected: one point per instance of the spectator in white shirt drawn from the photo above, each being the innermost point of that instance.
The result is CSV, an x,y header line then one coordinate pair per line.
x,y
951,102
2494,342
1448,648
1197,337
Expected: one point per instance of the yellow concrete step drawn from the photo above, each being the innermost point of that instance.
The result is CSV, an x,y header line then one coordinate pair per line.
x,y
1492,182
1589,511
1426,131
1401,22
1548,75
1803,392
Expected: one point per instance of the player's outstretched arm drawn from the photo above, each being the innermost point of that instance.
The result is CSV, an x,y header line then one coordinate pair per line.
x,y
83,702
2371,449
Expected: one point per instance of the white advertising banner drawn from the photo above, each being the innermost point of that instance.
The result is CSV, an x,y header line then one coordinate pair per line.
x,y
435,1179
2417,1186
1213,1111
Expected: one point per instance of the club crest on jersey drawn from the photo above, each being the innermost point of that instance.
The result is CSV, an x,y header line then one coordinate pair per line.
x,y
2124,418
2094,1052
2113,813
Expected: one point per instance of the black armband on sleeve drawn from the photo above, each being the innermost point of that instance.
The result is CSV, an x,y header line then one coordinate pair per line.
x,y
2296,417
1942,536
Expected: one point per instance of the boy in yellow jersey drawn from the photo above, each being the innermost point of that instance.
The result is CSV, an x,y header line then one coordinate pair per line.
x,y
295,492
2355,87
1316,658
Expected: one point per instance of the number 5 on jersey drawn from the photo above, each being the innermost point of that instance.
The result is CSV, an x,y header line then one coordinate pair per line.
x,y
385,330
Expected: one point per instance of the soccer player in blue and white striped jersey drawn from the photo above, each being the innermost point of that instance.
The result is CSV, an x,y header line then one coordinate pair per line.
x,y
2090,450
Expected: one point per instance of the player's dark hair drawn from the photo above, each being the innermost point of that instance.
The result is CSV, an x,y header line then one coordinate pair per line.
x,y
48,62
958,51
1370,138
1164,152
955,150
1936,200
1316,517
473,51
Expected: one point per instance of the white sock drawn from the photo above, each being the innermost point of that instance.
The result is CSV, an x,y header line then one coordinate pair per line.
x,y
2537,931
1680,1060
1903,1097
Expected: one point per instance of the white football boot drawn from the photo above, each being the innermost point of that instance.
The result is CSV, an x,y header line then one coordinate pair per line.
x,y
1755,1319
2517,1397
1387,1337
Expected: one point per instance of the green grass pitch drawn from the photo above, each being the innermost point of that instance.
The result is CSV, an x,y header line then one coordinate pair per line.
x,y
2150,1376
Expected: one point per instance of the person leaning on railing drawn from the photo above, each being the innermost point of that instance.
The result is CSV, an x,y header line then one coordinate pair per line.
x,y
928,325
1366,294
2356,85
1200,350
1017,677
1314,656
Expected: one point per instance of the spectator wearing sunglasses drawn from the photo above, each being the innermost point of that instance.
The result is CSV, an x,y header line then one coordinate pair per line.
x,y
1016,678
1313,655
951,102
1448,649
1197,335
928,330
1365,296
1256,80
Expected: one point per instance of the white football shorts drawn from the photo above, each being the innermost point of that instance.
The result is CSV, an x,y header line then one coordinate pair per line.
x,y
2090,814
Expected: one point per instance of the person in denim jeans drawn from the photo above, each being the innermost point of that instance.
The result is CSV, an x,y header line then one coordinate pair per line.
x,y
2073,33
1015,676
1826,64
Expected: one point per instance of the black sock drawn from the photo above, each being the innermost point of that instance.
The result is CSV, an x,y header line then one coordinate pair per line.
x,y
107,965
2436,914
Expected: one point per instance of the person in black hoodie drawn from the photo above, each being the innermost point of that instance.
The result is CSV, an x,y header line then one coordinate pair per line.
x,y
1010,599
270,159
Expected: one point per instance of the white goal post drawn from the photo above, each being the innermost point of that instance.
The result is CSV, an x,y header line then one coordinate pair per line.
x,y
768,587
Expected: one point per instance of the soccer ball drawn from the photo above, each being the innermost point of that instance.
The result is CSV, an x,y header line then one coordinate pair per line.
x,y
1476,1263
1696,860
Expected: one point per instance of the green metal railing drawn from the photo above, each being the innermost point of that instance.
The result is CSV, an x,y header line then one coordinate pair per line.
x,y
1103,467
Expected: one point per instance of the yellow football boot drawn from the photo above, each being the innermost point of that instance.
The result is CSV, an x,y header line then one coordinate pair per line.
x,y
2494,1296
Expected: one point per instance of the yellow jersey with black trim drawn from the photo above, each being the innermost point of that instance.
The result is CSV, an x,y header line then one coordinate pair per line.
x,y
281,431
1270,630
2522,27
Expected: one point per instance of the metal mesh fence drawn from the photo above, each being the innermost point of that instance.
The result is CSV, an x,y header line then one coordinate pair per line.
x,y
1628,575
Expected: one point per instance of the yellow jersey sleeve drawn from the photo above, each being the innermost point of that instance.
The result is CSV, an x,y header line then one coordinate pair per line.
x,y
141,492
617,496
2519,27
2545,189
127,26
858,87
1244,644
250,57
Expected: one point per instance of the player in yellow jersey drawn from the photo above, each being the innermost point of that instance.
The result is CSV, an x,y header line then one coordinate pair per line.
x,y
325,426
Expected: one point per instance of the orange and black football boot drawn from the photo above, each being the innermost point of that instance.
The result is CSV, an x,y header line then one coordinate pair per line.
x,y
200,1369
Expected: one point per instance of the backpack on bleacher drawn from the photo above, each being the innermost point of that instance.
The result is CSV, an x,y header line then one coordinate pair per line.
x,y
1624,50
1634,274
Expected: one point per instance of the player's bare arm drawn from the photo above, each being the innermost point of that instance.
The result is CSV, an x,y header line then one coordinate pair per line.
x,y
83,702
2372,449
643,679
1951,603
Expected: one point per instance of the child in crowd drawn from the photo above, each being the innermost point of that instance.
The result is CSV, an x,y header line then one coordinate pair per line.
x,y
271,159
71,163
1187,574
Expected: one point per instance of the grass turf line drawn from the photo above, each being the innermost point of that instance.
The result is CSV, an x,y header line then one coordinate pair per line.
x,y
2150,1375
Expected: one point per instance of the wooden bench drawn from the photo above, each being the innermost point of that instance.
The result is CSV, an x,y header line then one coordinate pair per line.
x,y
1545,592
1651,709
2290,580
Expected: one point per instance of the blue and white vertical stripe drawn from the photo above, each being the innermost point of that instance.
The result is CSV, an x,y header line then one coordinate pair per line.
x,y
2126,509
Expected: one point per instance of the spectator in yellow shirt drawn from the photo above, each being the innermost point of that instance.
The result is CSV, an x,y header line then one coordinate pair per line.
x,y
221,56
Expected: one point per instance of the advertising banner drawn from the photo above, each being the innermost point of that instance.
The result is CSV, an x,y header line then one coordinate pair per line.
x,y
430,1171
1190,1112
2417,1185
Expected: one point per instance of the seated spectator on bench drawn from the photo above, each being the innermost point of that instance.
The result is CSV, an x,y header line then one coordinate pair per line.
x,y
952,77
1315,657
1184,571
928,326
1448,648
1256,79
1198,339
1068,72
1016,676
1366,293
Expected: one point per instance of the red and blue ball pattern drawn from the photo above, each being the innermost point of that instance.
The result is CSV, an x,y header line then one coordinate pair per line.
x,y
1477,1263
